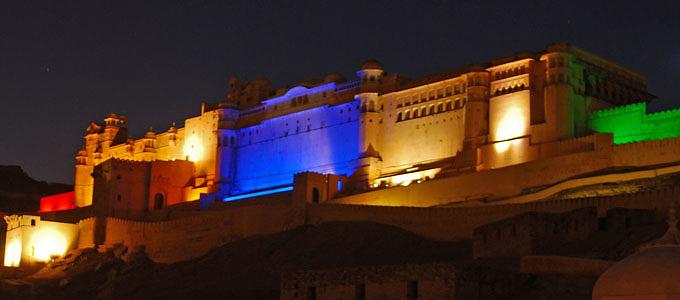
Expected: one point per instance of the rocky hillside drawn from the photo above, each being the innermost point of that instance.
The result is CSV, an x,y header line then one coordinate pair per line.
x,y
19,192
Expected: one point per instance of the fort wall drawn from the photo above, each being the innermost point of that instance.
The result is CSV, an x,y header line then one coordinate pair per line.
x,y
444,223
522,178
322,139
563,265
190,237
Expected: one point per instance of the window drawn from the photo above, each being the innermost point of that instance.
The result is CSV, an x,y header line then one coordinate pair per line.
x,y
399,117
339,185
440,93
412,290
415,113
311,293
440,107
360,292
448,105
423,112
431,95
431,112
315,195
407,115
448,91
32,222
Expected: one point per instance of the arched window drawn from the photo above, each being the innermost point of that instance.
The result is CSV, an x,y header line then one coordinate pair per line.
x,y
423,111
415,113
407,115
371,106
431,110
315,195
158,201
399,117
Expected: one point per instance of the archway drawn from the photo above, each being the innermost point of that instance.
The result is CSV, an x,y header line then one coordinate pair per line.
x,y
315,195
158,201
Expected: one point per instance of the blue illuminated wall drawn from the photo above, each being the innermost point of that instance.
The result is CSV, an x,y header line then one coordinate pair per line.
x,y
323,139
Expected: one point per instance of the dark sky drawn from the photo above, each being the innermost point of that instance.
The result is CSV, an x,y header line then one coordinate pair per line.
x,y
65,64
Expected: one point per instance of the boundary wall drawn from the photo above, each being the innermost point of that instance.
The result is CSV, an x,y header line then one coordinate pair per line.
x,y
454,223
191,237
519,179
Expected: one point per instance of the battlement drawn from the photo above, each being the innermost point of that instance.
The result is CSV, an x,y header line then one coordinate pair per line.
x,y
621,110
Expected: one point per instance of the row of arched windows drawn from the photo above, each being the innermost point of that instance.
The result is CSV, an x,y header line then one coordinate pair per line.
x,y
431,95
510,72
510,89
429,110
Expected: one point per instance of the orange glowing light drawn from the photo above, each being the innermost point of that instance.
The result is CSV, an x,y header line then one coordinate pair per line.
x,y
512,125
193,149
13,253
47,243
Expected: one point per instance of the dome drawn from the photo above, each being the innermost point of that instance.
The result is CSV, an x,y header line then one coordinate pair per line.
x,y
334,77
652,273
371,64
150,134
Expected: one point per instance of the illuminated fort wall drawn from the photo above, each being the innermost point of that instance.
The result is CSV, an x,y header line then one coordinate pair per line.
x,y
631,123
422,124
32,240
320,139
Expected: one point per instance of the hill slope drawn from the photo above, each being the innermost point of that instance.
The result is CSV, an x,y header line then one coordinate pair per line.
x,y
19,192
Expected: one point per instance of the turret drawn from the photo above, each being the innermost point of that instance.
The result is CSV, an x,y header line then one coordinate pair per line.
x,y
370,74
227,136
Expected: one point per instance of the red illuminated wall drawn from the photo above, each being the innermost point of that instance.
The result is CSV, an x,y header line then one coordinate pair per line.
x,y
58,202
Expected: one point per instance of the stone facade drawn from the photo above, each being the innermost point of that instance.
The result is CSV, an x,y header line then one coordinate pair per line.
x,y
444,280
379,129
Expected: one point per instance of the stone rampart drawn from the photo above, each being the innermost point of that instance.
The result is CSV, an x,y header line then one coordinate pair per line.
x,y
444,223
193,236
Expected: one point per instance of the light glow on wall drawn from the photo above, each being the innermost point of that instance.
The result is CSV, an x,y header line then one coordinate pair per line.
x,y
511,125
503,146
323,139
407,179
13,253
632,123
58,202
193,149
47,243
255,194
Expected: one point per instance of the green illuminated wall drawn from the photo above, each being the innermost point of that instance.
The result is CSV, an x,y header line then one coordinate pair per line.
x,y
631,123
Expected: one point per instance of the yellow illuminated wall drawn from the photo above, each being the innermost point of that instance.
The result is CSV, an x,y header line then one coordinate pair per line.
x,y
31,240
421,125
509,116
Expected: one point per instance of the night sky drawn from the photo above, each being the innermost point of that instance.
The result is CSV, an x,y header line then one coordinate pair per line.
x,y
63,65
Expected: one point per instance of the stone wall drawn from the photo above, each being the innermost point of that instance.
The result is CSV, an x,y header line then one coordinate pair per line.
x,y
531,232
408,281
86,233
563,265
518,179
190,237
443,223
445,280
